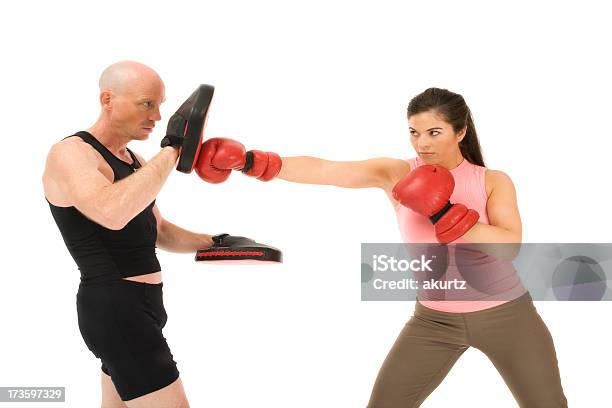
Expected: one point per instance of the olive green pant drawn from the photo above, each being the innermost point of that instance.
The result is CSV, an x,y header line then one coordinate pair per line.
x,y
512,335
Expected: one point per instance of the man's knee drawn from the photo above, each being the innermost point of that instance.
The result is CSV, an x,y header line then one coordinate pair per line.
x,y
171,396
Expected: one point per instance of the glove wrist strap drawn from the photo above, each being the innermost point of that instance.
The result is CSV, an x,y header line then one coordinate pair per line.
x,y
248,163
436,217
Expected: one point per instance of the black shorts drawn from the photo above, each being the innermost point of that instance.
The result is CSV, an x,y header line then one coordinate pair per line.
x,y
121,322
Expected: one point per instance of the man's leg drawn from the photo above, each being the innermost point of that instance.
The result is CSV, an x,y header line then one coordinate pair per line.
x,y
110,398
171,396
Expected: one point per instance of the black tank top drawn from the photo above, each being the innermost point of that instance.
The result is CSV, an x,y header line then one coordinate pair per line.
x,y
103,254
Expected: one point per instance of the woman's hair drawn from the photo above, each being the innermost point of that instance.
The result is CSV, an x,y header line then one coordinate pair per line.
x,y
454,110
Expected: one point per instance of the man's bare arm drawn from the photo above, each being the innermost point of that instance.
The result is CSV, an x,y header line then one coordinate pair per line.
x,y
172,238
72,166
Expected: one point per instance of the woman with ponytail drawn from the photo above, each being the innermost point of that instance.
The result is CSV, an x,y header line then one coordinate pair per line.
x,y
448,185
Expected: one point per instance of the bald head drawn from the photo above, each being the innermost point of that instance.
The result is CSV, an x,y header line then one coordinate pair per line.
x,y
130,97
121,76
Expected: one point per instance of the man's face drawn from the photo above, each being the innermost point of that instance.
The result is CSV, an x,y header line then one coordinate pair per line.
x,y
135,109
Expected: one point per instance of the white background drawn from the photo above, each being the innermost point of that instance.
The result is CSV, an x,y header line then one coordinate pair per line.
x,y
327,79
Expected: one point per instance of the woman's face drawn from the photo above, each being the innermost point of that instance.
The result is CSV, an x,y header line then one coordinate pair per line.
x,y
433,138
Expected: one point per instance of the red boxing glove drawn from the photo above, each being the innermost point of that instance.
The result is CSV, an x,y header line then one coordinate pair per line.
x,y
427,191
218,156
263,165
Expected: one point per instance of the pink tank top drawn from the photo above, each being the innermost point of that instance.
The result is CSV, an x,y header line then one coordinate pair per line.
x,y
503,284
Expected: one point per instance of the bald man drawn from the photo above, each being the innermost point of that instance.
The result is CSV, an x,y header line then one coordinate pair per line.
x,y
102,197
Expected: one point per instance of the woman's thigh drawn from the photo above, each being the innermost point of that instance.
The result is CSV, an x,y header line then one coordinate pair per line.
x,y
421,357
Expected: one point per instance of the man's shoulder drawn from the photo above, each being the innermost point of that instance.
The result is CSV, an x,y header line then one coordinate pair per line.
x,y
71,145
70,152
70,141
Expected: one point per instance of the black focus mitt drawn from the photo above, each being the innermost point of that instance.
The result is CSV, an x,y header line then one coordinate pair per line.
x,y
186,127
227,247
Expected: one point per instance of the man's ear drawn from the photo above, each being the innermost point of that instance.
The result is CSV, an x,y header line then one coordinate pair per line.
x,y
106,99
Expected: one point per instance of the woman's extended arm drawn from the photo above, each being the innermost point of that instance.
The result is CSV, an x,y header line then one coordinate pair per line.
x,y
379,172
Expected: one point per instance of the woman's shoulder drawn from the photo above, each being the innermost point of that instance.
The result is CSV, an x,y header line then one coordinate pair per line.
x,y
399,167
496,179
